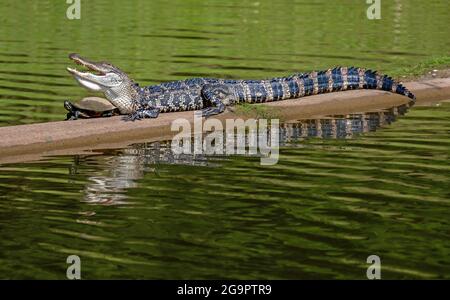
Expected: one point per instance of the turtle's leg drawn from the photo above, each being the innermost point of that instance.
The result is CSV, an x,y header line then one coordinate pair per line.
x,y
216,98
72,115
107,114
142,114
110,113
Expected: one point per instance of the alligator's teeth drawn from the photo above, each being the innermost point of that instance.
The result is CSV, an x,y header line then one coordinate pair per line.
x,y
71,70
76,72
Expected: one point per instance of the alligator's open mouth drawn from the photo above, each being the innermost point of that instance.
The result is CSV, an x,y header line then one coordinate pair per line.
x,y
85,63
100,75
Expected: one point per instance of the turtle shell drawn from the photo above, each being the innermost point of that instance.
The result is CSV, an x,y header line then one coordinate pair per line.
x,y
90,107
94,104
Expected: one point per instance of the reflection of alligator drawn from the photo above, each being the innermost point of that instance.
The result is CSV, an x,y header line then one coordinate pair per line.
x,y
120,171
213,95
339,126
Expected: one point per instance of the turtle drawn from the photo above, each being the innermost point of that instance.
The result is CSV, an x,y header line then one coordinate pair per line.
x,y
90,107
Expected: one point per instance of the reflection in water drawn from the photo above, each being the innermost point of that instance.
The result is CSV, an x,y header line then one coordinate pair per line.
x,y
340,126
317,214
120,174
129,165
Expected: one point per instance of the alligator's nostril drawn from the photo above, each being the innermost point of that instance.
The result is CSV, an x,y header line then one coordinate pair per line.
x,y
73,55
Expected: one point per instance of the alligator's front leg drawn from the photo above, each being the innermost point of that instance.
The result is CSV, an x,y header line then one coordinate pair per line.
x,y
142,114
216,98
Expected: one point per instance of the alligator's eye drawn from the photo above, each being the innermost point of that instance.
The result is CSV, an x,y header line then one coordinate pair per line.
x,y
113,79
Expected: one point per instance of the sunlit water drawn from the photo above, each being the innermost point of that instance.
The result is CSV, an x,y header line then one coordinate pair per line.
x,y
334,198
339,192
162,40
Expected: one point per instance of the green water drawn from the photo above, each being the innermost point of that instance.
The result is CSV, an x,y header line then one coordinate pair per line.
x,y
319,213
141,213
168,40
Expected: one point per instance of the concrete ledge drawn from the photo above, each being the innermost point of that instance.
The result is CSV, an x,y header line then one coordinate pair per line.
x,y
29,142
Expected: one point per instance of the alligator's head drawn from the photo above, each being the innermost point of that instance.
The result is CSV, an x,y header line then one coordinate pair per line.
x,y
115,84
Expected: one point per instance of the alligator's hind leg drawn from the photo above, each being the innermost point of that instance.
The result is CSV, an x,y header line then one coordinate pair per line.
x,y
142,114
216,98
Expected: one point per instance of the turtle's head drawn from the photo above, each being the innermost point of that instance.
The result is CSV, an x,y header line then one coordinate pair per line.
x,y
115,84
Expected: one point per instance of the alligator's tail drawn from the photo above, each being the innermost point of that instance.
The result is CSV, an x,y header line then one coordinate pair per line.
x,y
343,78
300,85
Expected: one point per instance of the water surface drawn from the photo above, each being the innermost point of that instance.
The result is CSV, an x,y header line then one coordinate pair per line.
x,y
160,40
330,202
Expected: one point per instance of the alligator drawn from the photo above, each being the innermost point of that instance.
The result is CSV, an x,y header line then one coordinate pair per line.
x,y
212,95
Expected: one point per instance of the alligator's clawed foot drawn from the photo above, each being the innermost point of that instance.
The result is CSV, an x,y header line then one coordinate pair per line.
x,y
131,118
212,111
142,114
